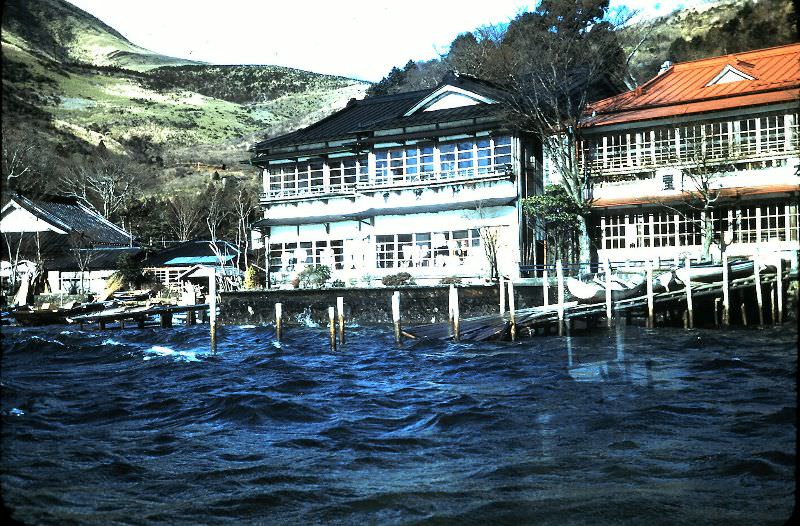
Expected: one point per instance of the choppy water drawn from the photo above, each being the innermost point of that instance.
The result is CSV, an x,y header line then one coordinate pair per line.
x,y
631,426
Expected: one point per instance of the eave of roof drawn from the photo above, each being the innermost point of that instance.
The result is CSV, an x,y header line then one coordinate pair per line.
x,y
724,193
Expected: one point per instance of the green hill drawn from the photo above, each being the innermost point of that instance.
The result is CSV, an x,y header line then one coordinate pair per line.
x,y
70,81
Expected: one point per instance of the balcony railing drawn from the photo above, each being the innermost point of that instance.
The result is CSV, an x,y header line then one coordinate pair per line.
x,y
386,178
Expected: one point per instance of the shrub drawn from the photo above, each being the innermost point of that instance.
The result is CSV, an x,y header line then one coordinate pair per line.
x,y
398,280
337,284
314,276
450,280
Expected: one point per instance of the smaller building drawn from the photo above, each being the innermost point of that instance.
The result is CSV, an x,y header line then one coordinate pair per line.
x,y
63,240
169,264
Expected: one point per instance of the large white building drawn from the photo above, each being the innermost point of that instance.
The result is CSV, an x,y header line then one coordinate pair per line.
x,y
427,182
734,115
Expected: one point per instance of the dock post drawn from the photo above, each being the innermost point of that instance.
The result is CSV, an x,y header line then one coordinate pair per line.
x,y
512,311
743,310
396,317
779,286
607,270
450,311
340,312
726,291
759,292
502,296
716,311
278,320
121,323
212,311
190,317
545,286
332,327
101,324
773,307
650,309
689,305
560,279
456,316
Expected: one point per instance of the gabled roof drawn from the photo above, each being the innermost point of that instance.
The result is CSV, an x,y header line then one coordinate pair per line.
x,y
360,117
190,253
69,214
100,259
750,78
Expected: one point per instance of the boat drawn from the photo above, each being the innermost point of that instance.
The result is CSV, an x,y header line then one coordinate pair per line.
x,y
709,272
29,317
594,291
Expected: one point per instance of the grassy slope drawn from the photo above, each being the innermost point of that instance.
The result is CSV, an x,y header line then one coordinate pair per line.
x,y
55,83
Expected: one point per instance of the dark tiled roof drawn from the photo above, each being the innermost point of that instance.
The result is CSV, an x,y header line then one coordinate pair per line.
x,y
74,215
101,259
387,111
50,244
189,249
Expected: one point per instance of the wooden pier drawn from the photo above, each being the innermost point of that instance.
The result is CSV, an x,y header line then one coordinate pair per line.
x,y
140,314
551,318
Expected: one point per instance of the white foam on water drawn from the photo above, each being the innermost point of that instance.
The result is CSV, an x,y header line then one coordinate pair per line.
x,y
16,412
47,340
305,318
109,341
159,350
247,326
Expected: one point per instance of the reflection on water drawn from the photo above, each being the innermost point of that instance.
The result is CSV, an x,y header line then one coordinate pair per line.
x,y
631,425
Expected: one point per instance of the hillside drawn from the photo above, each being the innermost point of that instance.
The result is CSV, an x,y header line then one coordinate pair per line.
x,y
717,28
70,81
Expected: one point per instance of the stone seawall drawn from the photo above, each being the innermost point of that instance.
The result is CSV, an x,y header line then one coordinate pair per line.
x,y
365,306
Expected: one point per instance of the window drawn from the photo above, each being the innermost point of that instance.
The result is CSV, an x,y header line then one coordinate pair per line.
x,y
773,223
642,223
691,143
426,249
748,137
617,151
745,225
717,140
291,257
773,134
614,232
347,172
664,145
689,229
663,229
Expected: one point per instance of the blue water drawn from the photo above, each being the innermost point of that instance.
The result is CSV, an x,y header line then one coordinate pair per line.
x,y
629,426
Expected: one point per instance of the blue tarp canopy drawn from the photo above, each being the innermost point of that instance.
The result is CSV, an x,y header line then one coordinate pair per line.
x,y
198,260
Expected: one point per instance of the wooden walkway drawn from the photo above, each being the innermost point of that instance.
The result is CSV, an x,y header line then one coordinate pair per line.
x,y
140,314
497,327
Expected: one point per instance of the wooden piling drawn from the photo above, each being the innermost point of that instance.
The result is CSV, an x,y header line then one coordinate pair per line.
x,y
332,327
190,317
759,292
121,324
689,305
779,286
456,316
743,311
773,310
650,305
502,295
512,311
607,271
101,324
396,317
450,308
560,279
278,321
340,312
716,311
545,288
726,291
212,311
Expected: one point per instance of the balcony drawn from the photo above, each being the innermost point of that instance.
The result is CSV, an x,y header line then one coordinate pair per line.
x,y
288,190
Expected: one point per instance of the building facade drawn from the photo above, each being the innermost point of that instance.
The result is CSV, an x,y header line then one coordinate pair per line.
x,y
714,138
427,182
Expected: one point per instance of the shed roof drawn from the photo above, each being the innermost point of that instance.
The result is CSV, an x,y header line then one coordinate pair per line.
x,y
190,253
70,214
750,78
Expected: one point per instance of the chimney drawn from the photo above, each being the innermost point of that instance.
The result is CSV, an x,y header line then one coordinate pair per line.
x,y
665,66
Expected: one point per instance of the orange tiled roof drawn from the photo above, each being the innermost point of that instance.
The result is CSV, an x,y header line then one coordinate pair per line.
x,y
725,192
683,88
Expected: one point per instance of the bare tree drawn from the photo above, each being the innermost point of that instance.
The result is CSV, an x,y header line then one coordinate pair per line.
x,y
245,204
82,249
26,163
186,214
105,179
217,209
